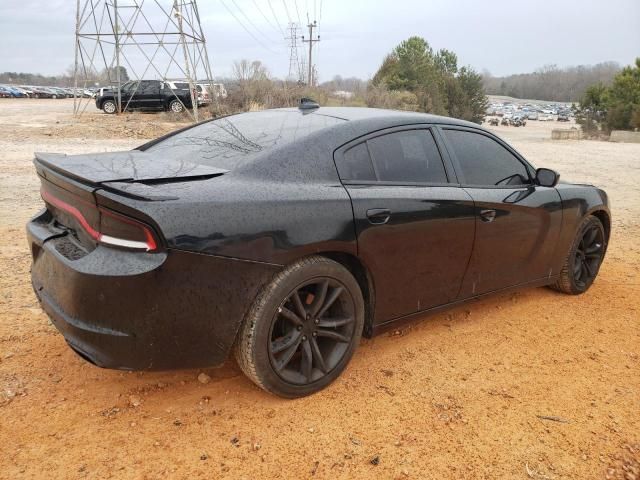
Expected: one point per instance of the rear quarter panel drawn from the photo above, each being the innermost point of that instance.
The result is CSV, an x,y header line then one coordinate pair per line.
x,y
275,211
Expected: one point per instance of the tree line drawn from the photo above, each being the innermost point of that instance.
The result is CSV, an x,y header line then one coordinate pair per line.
x,y
612,107
105,77
551,82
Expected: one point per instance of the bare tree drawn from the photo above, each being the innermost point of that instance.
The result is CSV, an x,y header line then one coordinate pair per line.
x,y
551,82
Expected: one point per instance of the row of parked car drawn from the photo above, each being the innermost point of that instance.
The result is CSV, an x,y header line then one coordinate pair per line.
x,y
517,114
25,91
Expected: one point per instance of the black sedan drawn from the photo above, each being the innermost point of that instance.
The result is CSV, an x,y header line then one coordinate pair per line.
x,y
285,235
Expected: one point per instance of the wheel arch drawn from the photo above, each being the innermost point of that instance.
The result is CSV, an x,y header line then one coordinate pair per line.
x,y
605,218
365,280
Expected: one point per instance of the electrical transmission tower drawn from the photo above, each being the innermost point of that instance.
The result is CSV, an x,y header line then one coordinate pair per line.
x,y
295,70
311,41
156,39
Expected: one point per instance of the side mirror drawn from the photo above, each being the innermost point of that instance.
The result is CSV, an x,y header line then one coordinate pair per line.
x,y
545,177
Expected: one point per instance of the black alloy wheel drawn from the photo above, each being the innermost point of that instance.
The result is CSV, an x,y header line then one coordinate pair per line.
x,y
312,331
302,329
588,256
583,261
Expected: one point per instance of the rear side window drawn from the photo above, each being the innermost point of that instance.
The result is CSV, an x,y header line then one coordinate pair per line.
x,y
356,164
409,156
230,142
484,162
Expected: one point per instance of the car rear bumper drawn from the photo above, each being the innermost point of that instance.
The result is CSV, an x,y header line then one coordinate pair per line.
x,y
136,311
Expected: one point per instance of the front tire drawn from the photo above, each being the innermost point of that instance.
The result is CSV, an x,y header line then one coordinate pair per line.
x,y
302,329
584,259
109,106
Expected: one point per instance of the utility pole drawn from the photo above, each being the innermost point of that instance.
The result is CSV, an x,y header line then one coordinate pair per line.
x,y
75,63
311,41
190,80
116,34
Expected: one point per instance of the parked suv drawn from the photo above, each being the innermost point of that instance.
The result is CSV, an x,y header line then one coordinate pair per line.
x,y
145,95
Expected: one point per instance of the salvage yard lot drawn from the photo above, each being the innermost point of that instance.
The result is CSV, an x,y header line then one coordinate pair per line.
x,y
459,394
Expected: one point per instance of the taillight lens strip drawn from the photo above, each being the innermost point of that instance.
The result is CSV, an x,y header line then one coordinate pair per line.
x,y
148,245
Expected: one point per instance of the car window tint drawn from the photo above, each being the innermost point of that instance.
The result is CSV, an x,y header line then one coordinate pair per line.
x,y
230,142
148,87
355,164
407,156
484,161
129,87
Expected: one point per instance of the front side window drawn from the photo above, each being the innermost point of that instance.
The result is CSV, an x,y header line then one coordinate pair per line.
x,y
129,87
484,162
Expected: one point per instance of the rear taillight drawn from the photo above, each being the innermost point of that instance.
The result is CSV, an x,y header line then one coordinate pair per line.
x,y
112,228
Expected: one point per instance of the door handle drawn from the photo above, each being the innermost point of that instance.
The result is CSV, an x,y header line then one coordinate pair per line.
x,y
378,216
487,215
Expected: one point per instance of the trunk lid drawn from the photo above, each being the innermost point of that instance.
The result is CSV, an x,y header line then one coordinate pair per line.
x,y
97,169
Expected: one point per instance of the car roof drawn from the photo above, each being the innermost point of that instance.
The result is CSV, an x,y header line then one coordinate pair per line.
x,y
364,113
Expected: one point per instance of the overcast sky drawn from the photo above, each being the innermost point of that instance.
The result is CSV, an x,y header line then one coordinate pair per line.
x,y
502,36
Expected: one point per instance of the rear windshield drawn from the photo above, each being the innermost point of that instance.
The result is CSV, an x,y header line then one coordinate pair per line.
x,y
233,141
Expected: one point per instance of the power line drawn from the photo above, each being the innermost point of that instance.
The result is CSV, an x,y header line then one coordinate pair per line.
x,y
250,21
286,9
246,29
276,18
264,16
295,2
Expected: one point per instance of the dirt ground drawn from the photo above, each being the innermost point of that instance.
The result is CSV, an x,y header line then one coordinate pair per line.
x,y
457,395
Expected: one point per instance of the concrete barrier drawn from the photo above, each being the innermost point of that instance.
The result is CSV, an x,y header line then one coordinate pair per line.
x,y
624,136
566,134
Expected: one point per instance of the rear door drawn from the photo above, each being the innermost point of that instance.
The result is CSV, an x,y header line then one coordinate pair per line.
x,y
180,91
414,227
518,222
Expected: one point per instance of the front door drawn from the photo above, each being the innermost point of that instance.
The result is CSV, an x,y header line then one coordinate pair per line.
x,y
128,95
148,95
415,230
517,221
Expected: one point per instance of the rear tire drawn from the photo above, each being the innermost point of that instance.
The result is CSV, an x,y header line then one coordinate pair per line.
x,y
176,106
109,106
584,259
302,329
